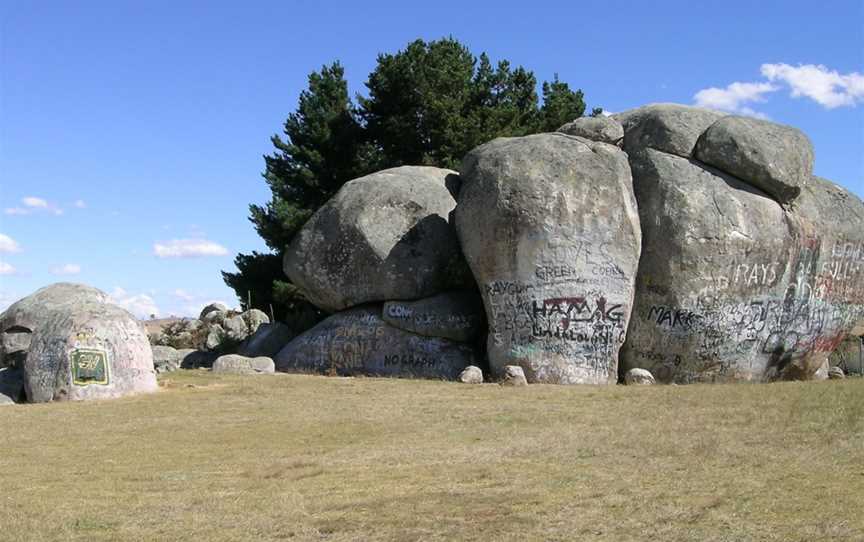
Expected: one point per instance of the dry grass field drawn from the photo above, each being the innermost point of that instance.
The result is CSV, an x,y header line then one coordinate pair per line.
x,y
314,458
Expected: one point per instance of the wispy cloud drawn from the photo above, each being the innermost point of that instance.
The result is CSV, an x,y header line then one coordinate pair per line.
x,y
828,88
188,248
80,204
33,204
7,269
67,269
8,245
141,305
183,294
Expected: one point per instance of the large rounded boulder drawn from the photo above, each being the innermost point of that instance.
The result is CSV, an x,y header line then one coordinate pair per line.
x,y
549,226
751,269
80,346
384,236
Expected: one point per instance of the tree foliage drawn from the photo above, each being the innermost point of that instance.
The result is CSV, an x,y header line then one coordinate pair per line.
x,y
428,104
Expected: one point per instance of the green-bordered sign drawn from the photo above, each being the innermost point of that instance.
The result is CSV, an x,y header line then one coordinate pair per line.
x,y
89,366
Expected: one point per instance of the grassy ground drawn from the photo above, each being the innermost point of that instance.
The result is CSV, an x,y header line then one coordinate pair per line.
x,y
313,458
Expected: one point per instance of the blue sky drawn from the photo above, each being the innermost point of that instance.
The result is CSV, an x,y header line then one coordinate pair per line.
x,y
131,133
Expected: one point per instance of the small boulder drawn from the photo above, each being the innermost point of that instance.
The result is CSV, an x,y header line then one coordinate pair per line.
x,y
236,364
452,315
774,158
514,376
212,307
604,129
267,340
471,375
166,359
638,377
836,373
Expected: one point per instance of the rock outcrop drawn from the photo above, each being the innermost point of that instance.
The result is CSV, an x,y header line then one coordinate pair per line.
x,y
754,277
549,226
382,237
359,342
81,346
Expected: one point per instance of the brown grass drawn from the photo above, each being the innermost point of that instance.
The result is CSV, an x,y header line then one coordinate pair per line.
x,y
314,458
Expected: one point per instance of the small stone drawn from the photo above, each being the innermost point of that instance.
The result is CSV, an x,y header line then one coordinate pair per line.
x,y
638,377
514,376
471,375
236,364
836,373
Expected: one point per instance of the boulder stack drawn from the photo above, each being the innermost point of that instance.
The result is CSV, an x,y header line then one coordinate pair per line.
x,y
751,268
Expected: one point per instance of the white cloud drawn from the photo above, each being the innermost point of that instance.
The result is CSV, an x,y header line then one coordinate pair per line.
x,y
80,204
7,269
828,88
183,294
37,203
188,248
67,269
141,305
734,97
8,245
33,204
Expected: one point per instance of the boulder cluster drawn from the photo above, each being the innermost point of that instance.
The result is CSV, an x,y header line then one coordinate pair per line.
x,y
686,243
667,243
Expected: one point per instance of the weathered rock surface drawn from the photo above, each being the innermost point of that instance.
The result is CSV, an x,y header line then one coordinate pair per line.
x,y
381,237
452,315
212,307
734,286
11,385
224,332
849,355
197,359
81,346
671,128
836,373
471,375
638,377
604,129
513,375
774,158
166,358
359,342
236,364
267,340
549,227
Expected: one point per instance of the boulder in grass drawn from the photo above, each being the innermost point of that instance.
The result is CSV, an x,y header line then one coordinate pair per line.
x,y
638,377
513,375
81,346
471,375
836,373
236,364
